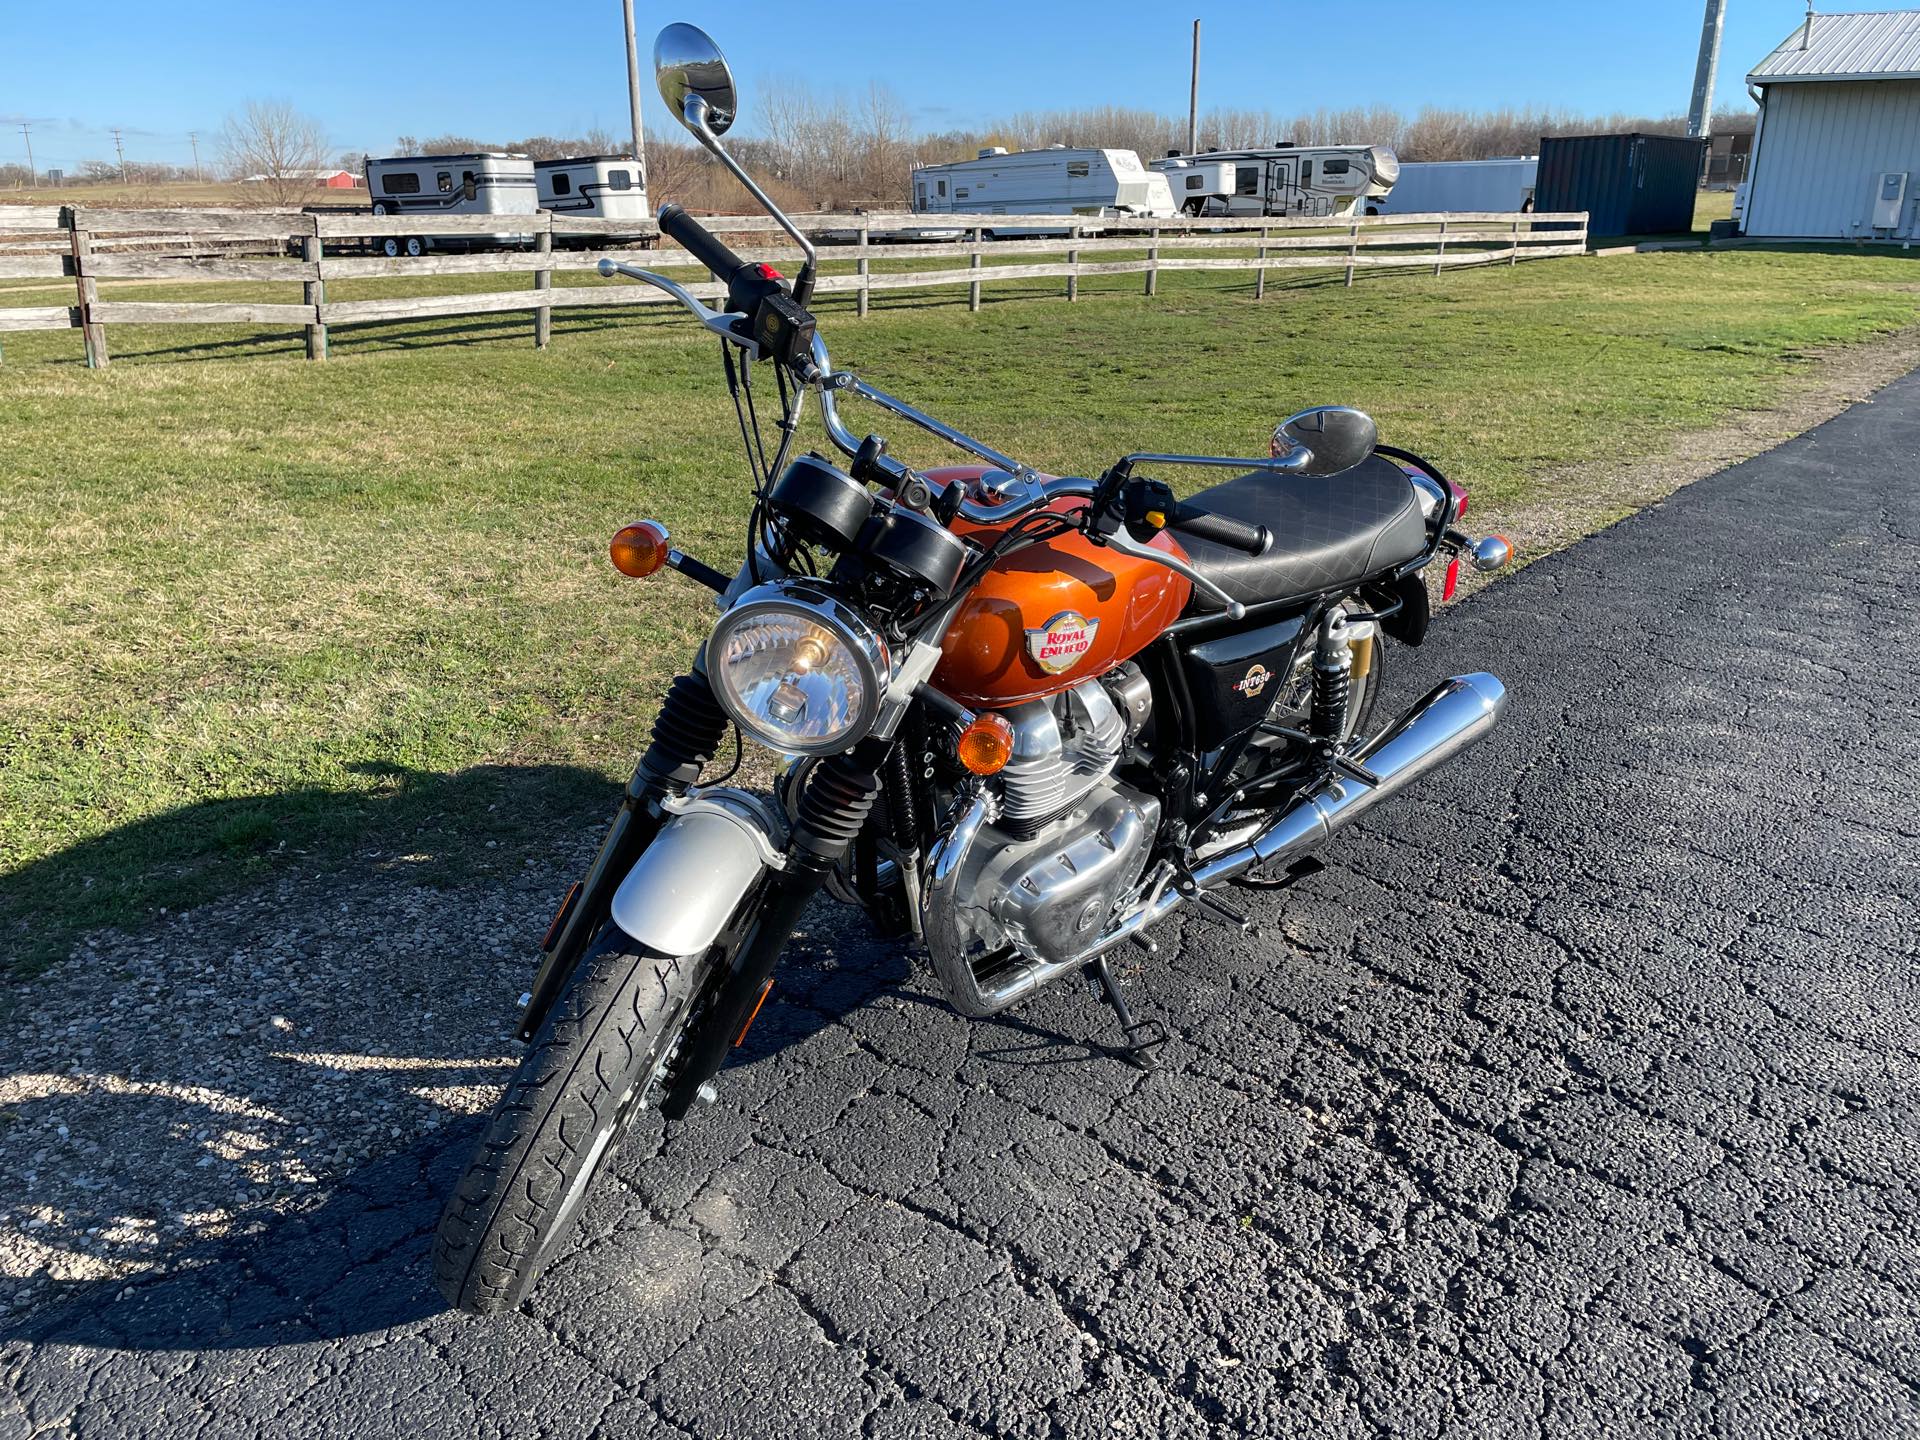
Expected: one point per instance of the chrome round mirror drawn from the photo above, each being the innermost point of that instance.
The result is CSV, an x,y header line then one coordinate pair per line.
x,y
687,65
1338,437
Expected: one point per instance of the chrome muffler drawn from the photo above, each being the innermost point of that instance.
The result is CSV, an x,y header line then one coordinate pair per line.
x,y
1454,714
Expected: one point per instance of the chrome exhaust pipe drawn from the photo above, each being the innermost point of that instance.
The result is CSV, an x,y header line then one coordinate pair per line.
x,y
1454,714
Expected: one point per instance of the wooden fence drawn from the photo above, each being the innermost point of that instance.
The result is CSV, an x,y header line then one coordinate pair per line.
x,y
310,249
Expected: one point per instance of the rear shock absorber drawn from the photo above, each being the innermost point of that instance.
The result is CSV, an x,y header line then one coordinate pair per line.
x,y
1332,682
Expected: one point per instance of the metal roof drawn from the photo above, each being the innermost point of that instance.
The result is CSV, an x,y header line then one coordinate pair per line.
x,y
1876,45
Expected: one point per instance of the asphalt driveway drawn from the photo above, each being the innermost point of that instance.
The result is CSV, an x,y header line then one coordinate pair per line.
x,y
1576,1098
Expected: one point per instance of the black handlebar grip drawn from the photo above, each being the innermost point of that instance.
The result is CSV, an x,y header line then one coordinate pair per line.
x,y
1220,529
700,242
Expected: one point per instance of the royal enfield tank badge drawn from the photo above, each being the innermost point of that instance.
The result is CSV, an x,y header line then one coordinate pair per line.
x,y
1059,644
1254,681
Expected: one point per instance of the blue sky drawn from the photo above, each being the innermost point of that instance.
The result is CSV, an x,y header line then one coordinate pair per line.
x,y
369,71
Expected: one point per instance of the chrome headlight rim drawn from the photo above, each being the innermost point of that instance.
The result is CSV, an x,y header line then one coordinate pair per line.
x,y
820,605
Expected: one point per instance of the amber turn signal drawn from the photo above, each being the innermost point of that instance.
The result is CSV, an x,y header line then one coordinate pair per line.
x,y
640,549
986,745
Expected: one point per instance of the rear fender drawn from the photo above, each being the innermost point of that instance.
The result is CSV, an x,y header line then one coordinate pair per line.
x,y
681,892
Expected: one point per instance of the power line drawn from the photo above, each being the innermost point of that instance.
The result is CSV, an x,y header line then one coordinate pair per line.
x,y
193,139
26,132
121,151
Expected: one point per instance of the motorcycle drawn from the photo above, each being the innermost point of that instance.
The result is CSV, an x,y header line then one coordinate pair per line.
x,y
1025,717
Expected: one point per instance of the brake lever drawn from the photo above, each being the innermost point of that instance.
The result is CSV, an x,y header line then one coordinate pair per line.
x,y
1120,540
728,326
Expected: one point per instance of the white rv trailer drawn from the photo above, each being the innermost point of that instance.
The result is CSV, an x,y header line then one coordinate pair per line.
x,y
1432,187
431,185
1326,180
600,187
1054,181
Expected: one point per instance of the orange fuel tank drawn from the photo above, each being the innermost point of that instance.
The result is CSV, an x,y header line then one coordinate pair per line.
x,y
1047,617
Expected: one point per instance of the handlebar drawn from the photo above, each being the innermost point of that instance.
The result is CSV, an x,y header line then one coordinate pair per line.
x,y
1219,529
701,243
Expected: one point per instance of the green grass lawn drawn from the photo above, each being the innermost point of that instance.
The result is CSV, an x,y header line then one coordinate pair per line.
x,y
256,612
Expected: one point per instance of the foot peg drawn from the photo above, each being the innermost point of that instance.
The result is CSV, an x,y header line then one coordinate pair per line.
x,y
1142,1037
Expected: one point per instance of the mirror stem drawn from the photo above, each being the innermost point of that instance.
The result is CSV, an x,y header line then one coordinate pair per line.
x,y
695,115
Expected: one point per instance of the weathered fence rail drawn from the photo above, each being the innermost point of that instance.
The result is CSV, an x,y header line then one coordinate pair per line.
x,y
307,250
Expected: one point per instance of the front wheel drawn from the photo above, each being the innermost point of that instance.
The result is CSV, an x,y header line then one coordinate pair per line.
x,y
590,1068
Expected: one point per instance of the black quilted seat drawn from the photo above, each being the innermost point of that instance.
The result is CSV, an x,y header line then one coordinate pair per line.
x,y
1329,531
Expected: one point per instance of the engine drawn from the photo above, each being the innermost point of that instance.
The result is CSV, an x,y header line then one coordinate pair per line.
x,y
1030,888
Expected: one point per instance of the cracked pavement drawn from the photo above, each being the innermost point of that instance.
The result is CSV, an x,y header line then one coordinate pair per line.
x,y
1575,1098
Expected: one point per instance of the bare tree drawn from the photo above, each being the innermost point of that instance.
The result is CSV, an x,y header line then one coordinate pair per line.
x,y
275,146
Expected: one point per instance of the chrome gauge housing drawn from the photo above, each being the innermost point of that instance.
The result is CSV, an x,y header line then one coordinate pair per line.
x,y
797,668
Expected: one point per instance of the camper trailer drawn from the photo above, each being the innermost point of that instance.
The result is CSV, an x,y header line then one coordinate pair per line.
x,y
599,187
1329,180
430,185
1434,187
1055,181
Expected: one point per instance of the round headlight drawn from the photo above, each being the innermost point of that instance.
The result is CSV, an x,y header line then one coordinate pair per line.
x,y
797,669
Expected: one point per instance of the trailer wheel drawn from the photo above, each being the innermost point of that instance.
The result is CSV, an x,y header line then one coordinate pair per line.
x,y
390,247
379,207
416,247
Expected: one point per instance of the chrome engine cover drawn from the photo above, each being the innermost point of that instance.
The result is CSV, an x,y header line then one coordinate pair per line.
x,y
1048,895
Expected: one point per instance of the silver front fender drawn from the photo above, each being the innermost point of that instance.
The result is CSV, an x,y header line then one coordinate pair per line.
x,y
692,878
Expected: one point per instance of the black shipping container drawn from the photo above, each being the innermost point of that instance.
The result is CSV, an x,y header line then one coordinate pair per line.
x,y
1627,184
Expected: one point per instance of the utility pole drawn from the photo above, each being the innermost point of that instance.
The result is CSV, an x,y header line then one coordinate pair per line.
x,y
633,95
26,131
1193,96
193,139
1700,114
121,151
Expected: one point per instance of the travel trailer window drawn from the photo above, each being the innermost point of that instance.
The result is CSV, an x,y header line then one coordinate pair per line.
x,y
1196,182
619,180
942,188
1077,169
961,194
1246,180
400,182
469,187
562,183
1306,173
1336,167
445,180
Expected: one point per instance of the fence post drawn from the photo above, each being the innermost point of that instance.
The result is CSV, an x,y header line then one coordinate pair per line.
x,y
314,293
1260,267
1153,260
1073,263
92,333
543,285
1513,255
1353,248
1440,251
973,263
866,236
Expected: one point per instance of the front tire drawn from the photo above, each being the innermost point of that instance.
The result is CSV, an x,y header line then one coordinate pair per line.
x,y
588,1071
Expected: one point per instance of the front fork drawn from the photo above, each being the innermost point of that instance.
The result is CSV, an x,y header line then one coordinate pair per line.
x,y
832,810
686,735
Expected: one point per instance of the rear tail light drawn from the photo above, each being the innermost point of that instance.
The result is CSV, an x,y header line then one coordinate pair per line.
x,y
1459,502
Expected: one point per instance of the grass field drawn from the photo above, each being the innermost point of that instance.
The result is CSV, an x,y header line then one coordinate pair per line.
x,y
256,612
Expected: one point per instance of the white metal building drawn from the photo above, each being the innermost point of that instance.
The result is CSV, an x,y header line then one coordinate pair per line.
x,y
1837,153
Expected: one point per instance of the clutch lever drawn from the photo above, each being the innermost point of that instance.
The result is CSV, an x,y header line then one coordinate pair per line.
x,y
1120,540
729,327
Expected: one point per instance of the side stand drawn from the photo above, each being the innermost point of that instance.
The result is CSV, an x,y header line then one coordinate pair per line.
x,y
1142,1037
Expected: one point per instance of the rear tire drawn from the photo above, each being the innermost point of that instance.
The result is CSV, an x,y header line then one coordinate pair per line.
x,y
586,1074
